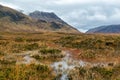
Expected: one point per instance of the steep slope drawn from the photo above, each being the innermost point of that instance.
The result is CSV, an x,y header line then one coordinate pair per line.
x,y
14,21
56,22
105,29
46,16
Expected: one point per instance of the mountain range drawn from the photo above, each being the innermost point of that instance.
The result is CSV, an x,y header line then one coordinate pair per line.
x,y
105,29
14,21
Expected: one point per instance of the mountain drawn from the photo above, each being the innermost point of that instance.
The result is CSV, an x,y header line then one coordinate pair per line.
x,y
46,16
56,22
105,29
14,21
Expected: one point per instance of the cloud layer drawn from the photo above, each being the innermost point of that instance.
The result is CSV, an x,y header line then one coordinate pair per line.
x,y
82,14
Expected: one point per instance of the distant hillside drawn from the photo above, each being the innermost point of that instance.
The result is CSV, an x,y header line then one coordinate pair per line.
x,y
14,21
105,29
56,22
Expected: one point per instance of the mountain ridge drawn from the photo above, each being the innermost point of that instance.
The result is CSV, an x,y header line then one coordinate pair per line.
x,y
14,21
50,17
105,29
46,16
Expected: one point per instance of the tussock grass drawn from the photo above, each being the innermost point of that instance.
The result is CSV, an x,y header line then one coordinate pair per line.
x,y
91,47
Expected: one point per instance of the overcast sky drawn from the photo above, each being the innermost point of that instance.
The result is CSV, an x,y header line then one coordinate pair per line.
x,y
82,14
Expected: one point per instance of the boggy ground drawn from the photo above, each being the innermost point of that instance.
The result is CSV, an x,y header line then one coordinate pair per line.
x,y
28,56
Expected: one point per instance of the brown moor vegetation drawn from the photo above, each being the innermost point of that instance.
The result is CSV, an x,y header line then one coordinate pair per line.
x,y
47,48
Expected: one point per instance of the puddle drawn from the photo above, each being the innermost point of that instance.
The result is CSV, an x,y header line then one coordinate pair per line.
x,y
64,66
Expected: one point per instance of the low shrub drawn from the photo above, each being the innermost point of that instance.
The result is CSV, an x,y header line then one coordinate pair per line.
x,y
50,51
19,39
31,46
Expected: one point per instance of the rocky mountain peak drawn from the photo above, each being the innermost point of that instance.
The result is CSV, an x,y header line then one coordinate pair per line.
x,y
47,16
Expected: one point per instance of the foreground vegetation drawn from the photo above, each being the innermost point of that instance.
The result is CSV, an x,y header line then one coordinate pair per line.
x,y
25,72
93,46
47,48
95,73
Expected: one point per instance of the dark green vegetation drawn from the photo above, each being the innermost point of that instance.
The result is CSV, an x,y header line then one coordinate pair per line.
x,y
48,55
46,48
51,51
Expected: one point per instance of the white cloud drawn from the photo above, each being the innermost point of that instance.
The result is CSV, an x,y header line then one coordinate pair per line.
x,y
98,17
69,2
116,14
62,2
10,5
